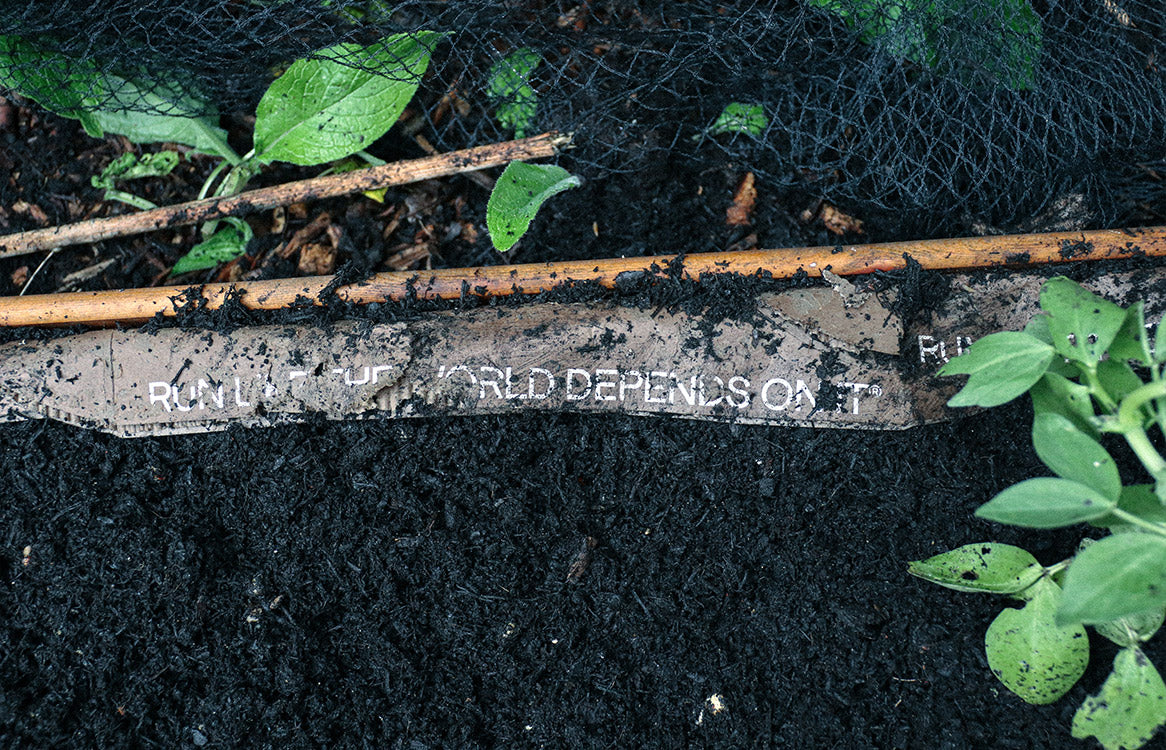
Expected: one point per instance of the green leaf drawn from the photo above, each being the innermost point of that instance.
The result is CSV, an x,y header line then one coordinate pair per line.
x,y
1046,503
228,243
1132,341
738,118
989,567
161,114
1056,394
517,196
131,167
1118,576
1139,500
70,88
1130,707
1002,366
1073,455
1032,655
1132,630
1082,324
337,103
1117,378
508,89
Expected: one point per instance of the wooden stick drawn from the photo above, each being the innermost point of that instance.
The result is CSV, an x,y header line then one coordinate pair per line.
x,y
329,186
137,305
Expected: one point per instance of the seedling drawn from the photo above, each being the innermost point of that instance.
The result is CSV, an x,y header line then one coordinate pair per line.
x,y
322,109
741,118
1091,370
518,195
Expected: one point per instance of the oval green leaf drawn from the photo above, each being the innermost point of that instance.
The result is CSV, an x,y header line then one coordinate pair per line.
x,y
162,114
1119,576
1032,655
340,101
988,567
1046,503
1082,324
1133,341
508,88
1002,366
1073,455
1130,707
517,196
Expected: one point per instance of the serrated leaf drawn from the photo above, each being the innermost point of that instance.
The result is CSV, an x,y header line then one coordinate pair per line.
x,y
517,196
228,243
1046,503
1130,707
1002,366
1073,455
508,89
1118,576
1082,324
1056,394
739,118
1132,341
1132,630
160,114
988,567
131,167
1032,655
340,101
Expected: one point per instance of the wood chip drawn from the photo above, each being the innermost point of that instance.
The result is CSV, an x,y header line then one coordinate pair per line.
x,y
582,560
75,279
305,234
20,276
740,211
408,257
32,211
839,223
317,259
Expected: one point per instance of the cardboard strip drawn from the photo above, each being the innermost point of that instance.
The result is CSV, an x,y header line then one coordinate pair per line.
x,y
826,357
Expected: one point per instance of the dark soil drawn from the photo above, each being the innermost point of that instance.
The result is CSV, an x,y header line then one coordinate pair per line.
x,y
544,581
422,584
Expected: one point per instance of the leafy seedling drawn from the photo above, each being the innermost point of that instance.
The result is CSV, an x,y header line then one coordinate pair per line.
x,y
737,119
321,109
517,196
508,89
1092,370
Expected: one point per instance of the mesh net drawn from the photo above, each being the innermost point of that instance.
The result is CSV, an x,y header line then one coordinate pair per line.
x,y
939,116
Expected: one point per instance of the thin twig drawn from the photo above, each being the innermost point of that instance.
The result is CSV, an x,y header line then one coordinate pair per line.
x,y
330,186
47,258
137,305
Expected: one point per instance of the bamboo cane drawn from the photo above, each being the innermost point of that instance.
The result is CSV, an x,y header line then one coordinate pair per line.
x,y
137,305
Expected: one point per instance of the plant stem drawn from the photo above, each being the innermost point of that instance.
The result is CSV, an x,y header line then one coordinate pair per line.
x,y
130,199
1096,389
210,180
223,148
1130,421
1130,518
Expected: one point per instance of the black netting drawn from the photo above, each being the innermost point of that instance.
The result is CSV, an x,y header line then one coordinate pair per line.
x,y
942,116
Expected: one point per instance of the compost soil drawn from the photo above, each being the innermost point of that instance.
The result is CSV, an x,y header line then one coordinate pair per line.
x,y
534,581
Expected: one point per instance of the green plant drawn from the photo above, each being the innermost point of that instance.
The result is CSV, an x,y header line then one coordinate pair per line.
x,y
518,194
1091,370
736,118
1007,31
322,109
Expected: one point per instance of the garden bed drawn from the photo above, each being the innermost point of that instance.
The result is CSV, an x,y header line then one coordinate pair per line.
x,y
528,580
